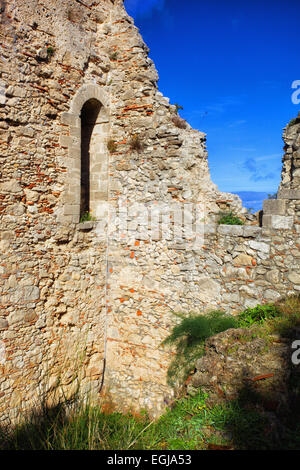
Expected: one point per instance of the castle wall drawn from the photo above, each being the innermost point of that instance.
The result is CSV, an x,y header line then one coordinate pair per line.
x,y
77,296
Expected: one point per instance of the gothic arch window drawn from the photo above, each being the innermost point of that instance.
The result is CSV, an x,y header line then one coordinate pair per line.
x,y
86,128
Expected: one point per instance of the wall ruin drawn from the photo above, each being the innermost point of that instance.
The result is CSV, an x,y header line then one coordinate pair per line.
x,y
75,293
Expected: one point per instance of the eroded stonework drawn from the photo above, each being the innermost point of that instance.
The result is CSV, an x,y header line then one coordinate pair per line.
x,y
71,295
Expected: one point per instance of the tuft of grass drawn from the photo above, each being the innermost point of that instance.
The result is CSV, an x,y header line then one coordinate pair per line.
x,y
179,122
177,107
86,217
288,318
229,218
111,146
50,51
135,143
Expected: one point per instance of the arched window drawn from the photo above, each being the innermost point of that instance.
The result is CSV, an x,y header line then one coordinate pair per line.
x,y
89,114
85,133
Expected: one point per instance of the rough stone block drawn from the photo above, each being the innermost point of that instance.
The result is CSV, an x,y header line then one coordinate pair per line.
x,y
259,246
74,152
274,207
84,226
243,259
282,222
289,194
210,228
278,221
75,131
294,277
65,140
72,209
251,231
231,230
267,221
70,119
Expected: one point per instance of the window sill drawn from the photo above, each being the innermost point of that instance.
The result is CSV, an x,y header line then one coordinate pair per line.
x,y
86,226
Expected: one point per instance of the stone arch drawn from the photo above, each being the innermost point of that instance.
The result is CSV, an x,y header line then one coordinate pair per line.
x,y
87,161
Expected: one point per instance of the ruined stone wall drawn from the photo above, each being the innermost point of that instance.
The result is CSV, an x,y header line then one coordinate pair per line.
x,y
74,294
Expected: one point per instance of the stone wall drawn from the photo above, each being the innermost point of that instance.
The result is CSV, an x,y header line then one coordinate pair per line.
x,y
74,294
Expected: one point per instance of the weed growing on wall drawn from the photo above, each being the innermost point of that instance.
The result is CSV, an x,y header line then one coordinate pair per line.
x,y
135,143
228,218
111,146
86,217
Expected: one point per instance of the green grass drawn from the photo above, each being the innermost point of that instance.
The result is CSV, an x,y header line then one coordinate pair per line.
x,y
228,218
192,423
86,217
257,315
50,51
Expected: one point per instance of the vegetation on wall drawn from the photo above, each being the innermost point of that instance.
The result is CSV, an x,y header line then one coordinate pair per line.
x,y
87,217
111,146
179,122
135,143
229,218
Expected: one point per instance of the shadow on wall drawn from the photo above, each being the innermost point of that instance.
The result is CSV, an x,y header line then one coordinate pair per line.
x,y
41,430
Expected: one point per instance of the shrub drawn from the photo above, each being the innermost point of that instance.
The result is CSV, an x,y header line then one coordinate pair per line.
x,y
135,143
228,218
179,122
50,51
86,217
272,196
177,107
111,146
258,314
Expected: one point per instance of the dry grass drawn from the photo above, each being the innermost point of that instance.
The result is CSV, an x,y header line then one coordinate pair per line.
x,y
111,146
179,122
135,143
290,306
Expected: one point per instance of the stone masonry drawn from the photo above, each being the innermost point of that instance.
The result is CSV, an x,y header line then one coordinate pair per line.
x,y
83,127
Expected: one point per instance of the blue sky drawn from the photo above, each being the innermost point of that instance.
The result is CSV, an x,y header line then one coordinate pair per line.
x,y
231,66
